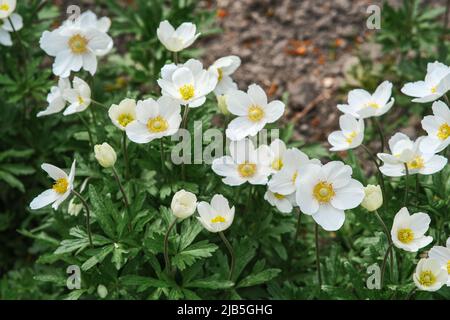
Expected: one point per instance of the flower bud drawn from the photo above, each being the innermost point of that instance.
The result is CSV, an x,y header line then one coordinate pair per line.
x,y
105,155
102,291
222,104
373,198
183,204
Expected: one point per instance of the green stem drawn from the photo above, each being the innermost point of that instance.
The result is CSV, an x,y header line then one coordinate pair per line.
x,y
297,232
161,144
447,99
98,103
125,155
230,250
380,132
175,57
166,245
405,201
122,190
319,275
389,249
88,216
91,140
380,174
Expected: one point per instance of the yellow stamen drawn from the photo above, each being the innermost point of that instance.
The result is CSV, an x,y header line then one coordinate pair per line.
x,y
277,164
405,235
4,7
448,266
294,177
80,100
218,219
187,92
255,113
279,196
61,185
373,105
444,131
124,119
323,192
417,163
220,72
427,278
78,44
350,137
434,90
247,170
158,124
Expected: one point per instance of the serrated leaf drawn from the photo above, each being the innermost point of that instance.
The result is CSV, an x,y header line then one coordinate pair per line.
x,y
187,257
258,278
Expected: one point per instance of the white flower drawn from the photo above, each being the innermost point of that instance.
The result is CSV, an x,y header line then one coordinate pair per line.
x,y
76,45
429,276
436,84
61,188
55,98
246,164
224,67
406,152
177,40
154,120
217,216
187,83
284,203
183,204
350,136
293,167
373,198
362,104
326,191
278,153
442,256
123,114
408,231
438,128
79,96
6,27
253,112
6,8
105,155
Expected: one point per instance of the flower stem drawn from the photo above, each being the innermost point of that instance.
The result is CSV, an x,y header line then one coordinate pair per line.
x,y
230,250
319,275
405,201
380,174
88,216
161,144
91,140
297,232
124,195
98,103
447,99
125,154
175,57
166,245
389,249
380,132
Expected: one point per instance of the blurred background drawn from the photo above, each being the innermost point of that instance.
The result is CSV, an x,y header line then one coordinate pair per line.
x,y
309,53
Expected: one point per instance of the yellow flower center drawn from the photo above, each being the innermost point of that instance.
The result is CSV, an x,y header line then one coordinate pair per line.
x,y
279,196
427,278
255,113
434,90
61,185
78,44
187,92
218,219
350,137
220,72
158,124
80,100
277,164
444,131
247,170
373,105
323,192
124,119
4,7
417,163
405,235
448,266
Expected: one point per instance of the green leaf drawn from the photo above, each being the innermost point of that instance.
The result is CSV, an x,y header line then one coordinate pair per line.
x,y
142,283
189,231
103,210
259,278
187,257
12,181
99,257
210,283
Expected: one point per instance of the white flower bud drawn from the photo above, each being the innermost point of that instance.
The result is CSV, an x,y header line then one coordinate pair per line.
x,y
105,155
222,104
373,198
183,204
102,291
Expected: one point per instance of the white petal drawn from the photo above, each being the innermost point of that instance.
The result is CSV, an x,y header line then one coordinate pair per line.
x,y
44,199
348,197
329,218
